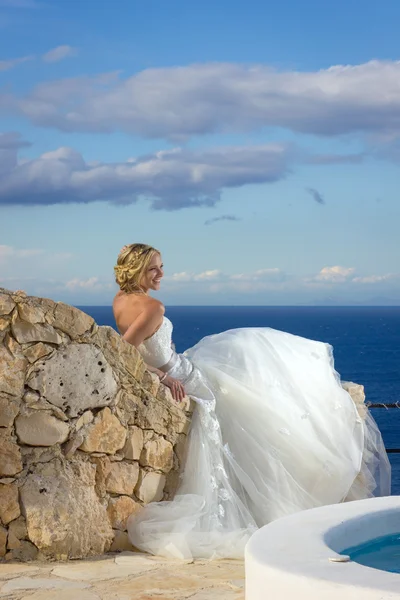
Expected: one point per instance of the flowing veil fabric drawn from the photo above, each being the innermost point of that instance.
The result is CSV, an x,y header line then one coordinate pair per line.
x,y
273,433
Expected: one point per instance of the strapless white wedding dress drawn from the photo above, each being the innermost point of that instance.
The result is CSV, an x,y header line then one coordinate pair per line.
x,y
273,433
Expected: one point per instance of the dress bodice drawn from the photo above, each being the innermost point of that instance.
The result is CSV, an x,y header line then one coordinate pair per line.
x,y
157,350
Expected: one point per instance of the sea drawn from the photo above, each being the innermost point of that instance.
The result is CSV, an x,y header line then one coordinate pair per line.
x,y
366,342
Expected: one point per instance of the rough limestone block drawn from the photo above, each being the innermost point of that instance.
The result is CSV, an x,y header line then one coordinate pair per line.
x,y
70,320
7,304
25,551
122,478
3,541
31,397
103,466
121,542
13,543
124,358
134,443
150,486
30,312
76,379
128,407
166,420
37,351
10,454
4,323
105,434
25,333
44,405
41,429
120,509
12,373
180,449
9,505
64,516
40,454
171,485
357,393
158,453
9,408
18,528
151,382
85,419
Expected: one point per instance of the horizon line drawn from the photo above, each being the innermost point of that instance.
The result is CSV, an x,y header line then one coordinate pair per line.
x,y
256,305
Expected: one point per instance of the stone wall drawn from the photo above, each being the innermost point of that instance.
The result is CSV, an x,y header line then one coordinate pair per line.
x,y
87,434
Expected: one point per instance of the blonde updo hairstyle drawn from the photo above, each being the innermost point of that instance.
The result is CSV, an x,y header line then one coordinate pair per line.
x,y
132,262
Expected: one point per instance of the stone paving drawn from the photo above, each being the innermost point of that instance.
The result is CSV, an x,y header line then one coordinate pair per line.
x,y
126,576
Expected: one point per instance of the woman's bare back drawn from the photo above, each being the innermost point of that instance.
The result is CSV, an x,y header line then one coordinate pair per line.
x,y
147,312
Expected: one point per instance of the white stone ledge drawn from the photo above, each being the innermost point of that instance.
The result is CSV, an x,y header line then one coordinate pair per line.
x,y
290,558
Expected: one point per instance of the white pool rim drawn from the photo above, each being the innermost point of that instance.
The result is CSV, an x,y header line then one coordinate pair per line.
x,y
291,558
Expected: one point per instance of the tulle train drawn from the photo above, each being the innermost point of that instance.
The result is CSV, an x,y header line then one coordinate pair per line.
x,y
273,433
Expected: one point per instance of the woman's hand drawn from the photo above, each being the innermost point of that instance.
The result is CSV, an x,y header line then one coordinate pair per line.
x,y
177,389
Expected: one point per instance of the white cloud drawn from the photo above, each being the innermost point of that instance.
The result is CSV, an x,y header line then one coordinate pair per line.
x,y
208,275
92,284
14,261
272,280
12,140
185,277
216,281
6,65
54,287
347,275
59,53
179,102
265,286
336,274
171,180
179,277
82,283
258,275
54,55
376,278
28,253
9,252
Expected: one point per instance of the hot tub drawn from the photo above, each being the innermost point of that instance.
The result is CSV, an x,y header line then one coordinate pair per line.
x,y
301,556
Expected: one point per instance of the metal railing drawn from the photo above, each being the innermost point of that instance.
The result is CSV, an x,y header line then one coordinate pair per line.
x,y
387,406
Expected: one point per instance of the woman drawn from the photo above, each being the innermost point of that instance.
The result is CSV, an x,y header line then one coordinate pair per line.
x,y
273,431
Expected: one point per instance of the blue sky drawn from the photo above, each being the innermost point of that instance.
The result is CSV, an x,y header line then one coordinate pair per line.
x,y
256,145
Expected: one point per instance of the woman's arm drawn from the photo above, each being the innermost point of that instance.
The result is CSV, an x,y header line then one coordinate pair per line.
x,y
142,328
177,389
154,370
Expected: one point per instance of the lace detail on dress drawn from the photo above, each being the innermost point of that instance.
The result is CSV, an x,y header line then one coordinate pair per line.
x,y
224,511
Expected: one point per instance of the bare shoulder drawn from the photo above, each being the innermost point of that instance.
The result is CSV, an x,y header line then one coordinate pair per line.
x,y
119,299
152,307
139,303
134,310
132,306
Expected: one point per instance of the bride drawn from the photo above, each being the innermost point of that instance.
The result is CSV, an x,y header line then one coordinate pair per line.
x,y
273,431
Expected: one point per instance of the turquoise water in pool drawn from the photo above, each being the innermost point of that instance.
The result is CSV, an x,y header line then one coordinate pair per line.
x,y
380,553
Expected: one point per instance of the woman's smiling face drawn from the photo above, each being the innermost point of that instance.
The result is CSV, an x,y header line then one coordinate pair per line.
x,y
151,279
